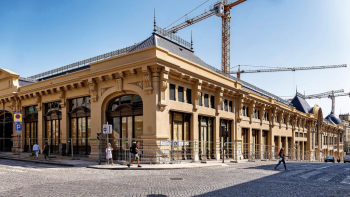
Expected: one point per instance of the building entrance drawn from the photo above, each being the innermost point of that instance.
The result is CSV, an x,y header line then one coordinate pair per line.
x,y
206,141
6,122
30,127
125,113
180,135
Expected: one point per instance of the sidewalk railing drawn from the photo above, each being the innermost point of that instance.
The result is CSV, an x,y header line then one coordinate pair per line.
x,y
156,150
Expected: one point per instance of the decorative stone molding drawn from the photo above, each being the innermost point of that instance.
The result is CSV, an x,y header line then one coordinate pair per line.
x,y
220,100
272,115
163,87
62,95
197,88
93,90
103,90
119,84
240,107
138,84
262,113
251,110
38,100
147,84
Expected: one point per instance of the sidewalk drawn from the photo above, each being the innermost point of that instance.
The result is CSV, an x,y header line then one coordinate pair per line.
x,y
58,160
209,164
92,163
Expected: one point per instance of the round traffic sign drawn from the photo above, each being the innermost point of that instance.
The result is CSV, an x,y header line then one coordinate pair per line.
x,y
17,116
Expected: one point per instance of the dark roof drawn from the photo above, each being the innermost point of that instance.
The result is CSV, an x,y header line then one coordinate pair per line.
x,y
300,104
22,81
333,119
181,50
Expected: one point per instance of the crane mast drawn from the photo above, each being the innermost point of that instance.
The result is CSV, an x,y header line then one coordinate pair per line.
x,y
221,9
331,94
225,50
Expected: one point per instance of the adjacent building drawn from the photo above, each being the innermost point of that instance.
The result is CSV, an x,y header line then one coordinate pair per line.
x,y
346,121
160,93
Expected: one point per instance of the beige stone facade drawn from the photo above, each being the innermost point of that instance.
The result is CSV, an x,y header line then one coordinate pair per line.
x,y
181,100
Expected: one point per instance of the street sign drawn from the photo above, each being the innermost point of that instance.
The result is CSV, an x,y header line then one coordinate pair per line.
x,y
17,117
18,128
107,129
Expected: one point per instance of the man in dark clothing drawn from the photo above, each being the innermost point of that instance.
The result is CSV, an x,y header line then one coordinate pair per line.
x,y
135,154
281,159
46,150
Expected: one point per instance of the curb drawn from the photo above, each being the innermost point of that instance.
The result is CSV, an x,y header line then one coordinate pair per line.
x,y
41,162
145,168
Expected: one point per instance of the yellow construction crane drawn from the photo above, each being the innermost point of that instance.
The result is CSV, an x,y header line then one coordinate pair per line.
x,y
221,9
279,69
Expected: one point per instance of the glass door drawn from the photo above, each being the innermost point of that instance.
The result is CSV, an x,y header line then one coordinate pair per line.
x,y
80,133
127,134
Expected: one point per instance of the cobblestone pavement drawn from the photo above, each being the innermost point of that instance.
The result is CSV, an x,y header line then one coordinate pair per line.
x,y
250,179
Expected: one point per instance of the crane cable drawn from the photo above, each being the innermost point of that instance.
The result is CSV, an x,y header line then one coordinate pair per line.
x,y
187,13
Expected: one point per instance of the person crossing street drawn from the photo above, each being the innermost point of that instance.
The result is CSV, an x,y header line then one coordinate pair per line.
x,y
281,159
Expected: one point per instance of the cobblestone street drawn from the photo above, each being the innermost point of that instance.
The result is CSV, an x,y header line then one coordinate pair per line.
x,y
250,179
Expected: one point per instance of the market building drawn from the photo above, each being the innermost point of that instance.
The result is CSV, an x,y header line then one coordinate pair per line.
x,y
160,93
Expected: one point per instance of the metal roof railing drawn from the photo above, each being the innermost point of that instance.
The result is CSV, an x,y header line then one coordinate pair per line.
x,y
83,62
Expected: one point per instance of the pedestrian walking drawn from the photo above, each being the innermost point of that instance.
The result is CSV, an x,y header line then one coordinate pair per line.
x,y
135,154
281,159
109,153
338,160
36,149
46,150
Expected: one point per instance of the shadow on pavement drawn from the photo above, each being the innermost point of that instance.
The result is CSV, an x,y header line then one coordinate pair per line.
x,y
283,183
29,164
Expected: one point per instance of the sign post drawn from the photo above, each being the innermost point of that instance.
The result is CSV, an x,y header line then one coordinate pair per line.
x,y
17,119
107,129
99,148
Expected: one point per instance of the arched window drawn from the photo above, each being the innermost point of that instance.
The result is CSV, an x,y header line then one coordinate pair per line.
x,y
53,128
30,127
6,130
125,113
80,126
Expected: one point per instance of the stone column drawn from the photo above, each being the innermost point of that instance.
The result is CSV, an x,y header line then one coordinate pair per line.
x,y
260,155
250,143
41,127
292,143
194,137
270,144
302,151
279,145
185,95
176,91
233,139
217,138
286,145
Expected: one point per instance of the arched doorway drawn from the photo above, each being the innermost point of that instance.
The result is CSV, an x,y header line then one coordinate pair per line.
x,y
125,113
6,122
30,127
80,130
53,130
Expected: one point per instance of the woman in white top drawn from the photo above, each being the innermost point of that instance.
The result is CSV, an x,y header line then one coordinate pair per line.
x,y
109,153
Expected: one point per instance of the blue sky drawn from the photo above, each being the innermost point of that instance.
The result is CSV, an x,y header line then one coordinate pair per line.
x,y
37,36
